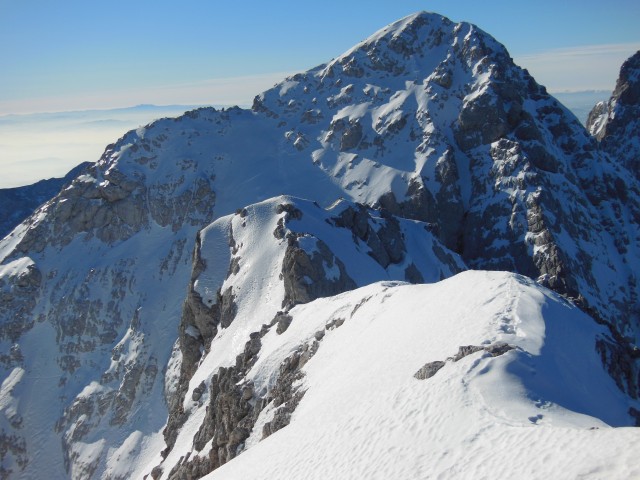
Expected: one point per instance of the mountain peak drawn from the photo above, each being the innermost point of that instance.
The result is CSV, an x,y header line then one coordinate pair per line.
x,y
628,84
410,45
615,123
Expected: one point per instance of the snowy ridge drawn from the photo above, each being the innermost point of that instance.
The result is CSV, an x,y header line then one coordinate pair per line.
x,y
276,254
147,329
266,242
364,415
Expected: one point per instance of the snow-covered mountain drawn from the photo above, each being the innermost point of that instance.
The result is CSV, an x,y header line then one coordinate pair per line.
x,y
433,121
615,123
219,276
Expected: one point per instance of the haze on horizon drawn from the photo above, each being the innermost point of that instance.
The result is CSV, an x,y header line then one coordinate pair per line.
x,y
79,56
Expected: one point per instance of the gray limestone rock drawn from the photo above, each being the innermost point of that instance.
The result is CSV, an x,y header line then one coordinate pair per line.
x,y
305,274
198,326
234,408
385,243
20,202
412,274
444,210
198,391
615,124
15,447
335,323
635,413
291,211
18,294
351,136
621,360
597,119
283,320
499,348
481,121
230,416
429,370
464,351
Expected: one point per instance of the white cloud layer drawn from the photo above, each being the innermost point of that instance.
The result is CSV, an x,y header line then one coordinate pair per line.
x,y
34,146
38,146
218,91
590,67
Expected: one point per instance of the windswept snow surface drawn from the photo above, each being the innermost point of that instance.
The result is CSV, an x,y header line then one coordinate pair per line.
x,y
543,410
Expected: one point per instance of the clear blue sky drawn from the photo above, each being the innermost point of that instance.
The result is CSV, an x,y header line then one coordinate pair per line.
x,y
72,54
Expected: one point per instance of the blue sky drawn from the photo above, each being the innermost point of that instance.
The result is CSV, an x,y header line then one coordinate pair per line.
x,y
71,54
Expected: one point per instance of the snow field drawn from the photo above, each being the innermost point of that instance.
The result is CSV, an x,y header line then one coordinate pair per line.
x,y
364,415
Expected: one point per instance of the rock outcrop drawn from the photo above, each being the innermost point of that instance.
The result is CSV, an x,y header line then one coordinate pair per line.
x,y
429,369
615,123
20,202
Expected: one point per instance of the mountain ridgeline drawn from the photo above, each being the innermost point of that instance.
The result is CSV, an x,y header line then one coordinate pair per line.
x,y
615,123
167,312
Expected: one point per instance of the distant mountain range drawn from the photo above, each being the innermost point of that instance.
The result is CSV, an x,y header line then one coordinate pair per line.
x,y
409,262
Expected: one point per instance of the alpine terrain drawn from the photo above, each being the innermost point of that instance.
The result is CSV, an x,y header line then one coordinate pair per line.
x,y
20,202
410,262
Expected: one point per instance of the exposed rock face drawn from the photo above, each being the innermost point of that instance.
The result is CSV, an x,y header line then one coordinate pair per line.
x,y
113,206
17,292
615,123
235,407
385,243
622,363
79,279
16,447
304,274
428,370
431,368
229,419
597,119
20,202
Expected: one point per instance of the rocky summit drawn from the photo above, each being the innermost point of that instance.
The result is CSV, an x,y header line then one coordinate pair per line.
x,y
407,254
615,123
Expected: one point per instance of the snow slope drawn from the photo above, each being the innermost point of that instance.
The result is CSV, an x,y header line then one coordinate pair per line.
x,y
332,391
544,409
